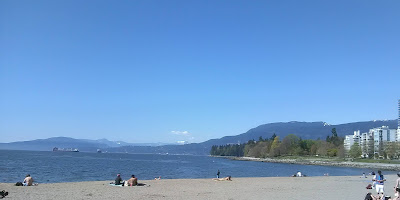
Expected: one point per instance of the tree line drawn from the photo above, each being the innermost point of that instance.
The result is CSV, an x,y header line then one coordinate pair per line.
x,y
384,150
291,145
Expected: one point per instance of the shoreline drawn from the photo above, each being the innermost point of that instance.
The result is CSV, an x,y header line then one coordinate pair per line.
x,y
382,166
320,187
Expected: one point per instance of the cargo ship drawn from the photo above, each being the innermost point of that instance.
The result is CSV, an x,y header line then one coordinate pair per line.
x,y
65,149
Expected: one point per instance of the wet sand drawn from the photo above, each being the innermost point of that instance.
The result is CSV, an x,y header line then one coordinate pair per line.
x,y
327,188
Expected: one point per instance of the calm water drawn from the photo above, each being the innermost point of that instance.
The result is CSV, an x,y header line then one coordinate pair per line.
x,y
47,167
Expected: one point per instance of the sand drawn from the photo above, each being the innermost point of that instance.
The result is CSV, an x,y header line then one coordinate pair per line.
x,y
327,187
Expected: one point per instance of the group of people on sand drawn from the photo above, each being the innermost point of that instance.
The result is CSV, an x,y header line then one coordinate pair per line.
x,y
378,184
228,178
133,181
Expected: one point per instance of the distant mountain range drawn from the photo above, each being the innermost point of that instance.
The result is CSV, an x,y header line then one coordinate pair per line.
x,y
305,130
66,142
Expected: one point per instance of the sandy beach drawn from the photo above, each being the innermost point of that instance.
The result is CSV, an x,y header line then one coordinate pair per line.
x,y
327,187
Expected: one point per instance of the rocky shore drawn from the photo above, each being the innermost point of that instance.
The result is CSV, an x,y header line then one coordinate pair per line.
x,y
381,166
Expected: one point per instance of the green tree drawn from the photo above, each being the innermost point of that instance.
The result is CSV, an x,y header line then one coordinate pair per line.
x,y
274,151
332,152
266,146
391,149
322,147
355,151
334,138
307,147
289,145
250,144
272,137
334,133
341,151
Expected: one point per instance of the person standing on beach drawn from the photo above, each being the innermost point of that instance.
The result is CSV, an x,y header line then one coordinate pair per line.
x,y
397,187
373,182
218,173
28,180
379,179
118,180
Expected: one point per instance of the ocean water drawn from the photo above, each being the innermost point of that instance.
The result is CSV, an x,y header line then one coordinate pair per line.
x,y
47,167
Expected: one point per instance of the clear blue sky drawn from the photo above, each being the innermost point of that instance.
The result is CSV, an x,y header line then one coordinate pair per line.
x,y
167,71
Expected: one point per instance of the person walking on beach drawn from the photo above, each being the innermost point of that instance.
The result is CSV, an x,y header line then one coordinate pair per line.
x,y
218,173
379,179
28,180
118,180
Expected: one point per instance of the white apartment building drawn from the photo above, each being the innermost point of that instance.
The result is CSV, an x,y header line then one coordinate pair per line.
x,y
366,143
371,142
381,135
349,140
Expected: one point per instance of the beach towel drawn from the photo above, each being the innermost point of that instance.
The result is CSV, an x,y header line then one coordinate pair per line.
x,y
113,184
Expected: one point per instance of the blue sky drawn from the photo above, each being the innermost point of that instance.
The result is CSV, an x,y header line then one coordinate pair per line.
x,y
167,71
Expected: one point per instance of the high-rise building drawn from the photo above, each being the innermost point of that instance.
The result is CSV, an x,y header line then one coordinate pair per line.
x,y
382,135
398,125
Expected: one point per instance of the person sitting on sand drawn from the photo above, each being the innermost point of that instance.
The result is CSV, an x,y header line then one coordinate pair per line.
x,y
132,181
28,180
369,196
298,174
228,178
3,194
118,180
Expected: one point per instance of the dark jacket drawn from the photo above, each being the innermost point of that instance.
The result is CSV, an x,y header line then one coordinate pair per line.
x,y
118,180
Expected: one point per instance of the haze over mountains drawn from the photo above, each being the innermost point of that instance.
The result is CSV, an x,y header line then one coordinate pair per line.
x,y
66,142
305,130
